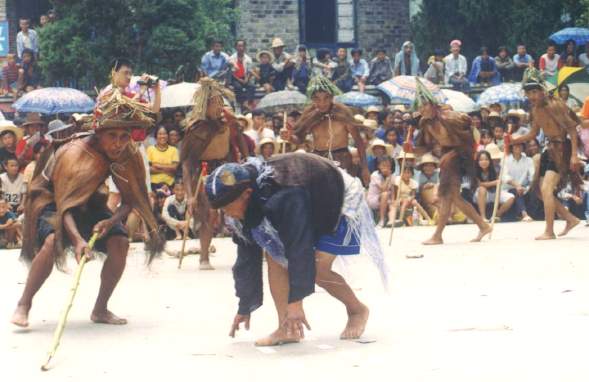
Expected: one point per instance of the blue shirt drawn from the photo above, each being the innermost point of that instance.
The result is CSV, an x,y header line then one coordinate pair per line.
x,y
213,64
522,59
360,68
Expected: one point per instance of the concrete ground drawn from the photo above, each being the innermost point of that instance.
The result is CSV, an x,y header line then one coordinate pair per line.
x,y
510,309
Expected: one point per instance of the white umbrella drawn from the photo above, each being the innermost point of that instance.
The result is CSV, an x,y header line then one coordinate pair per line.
x,y
179,95
460,101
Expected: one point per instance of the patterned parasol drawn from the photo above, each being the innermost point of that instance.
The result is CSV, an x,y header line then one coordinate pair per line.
x,y
357,99
283,101
509,93
402,89
460,101
54,101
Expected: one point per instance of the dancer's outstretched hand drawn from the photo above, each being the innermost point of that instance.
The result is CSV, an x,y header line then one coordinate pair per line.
x,y
239,318
295,319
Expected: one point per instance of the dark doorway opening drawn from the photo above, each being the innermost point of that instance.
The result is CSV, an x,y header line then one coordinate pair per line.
x,y
31,9
319,21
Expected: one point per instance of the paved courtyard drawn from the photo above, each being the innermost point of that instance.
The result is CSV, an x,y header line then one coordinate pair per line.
x,y
510,309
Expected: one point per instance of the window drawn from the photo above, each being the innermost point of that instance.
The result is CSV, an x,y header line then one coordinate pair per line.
x,y
327,22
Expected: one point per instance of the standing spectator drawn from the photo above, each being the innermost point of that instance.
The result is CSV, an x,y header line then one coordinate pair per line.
x,y
392,139
435,71
518,178
179,117
342,74
265,73
43,20
407,192
522,60
215,63
406,61
26,39
174,211
505,65
9,136
163,161
550,62
584,57
380,189
283,65
11,75
322,64
485,194
12,186
564,93
302,70
33,127
569,54
31,78
360,70
242,66
483,69
456,67
381,68
428,180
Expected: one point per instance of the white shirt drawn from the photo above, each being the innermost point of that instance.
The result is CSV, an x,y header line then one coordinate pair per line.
x,y
520,171
180,206
13,191
454,65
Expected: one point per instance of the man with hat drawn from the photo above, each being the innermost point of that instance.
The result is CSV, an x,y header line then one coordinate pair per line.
x,y
303,212
559,163
66,203
212,136
331,125
283,64
452,131
33,127
9,135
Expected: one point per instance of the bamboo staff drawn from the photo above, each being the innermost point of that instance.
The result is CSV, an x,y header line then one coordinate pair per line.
x,y
397,192
203,173
500,180
62,321
284,122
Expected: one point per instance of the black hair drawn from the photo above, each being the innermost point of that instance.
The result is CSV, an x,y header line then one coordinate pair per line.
x,y
564,86
294,114
479,170
25,19
240,40
258,112
120,62
484,50
302,48
157,130
7,132
9,159
38,147
356,51
410,169
217,41
503,48
551,44
385,158
383,50
439,52
322,52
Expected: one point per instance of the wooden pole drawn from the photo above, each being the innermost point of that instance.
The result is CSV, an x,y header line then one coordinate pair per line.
x,y
284,119
499,182
394,211
201,176
62,321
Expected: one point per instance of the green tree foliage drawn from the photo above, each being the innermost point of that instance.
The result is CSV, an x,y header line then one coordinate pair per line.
x,y
492,23
157,35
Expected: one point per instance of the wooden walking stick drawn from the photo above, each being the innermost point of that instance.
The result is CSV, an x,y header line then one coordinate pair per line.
x,y
203,173
394,211
62,321
506,144
284,123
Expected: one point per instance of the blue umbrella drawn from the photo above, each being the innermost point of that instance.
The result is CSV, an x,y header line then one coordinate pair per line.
x,y
579,35
54,101
508,93
357,99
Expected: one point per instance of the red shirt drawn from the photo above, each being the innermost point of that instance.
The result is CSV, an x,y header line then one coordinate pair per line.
x,y
240,72
137,134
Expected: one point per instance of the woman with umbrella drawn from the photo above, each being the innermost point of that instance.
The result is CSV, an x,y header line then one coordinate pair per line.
x,y
569,55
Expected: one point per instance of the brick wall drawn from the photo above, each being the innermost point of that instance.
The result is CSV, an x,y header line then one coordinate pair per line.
x,y
382,23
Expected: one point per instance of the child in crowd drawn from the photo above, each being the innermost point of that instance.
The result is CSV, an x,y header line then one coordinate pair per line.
x,y
9,232
407,191
486,139
265,73
428,179
174,211
13,186
380,190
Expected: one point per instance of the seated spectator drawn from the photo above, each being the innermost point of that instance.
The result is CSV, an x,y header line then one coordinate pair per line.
x,y
241,78
574,199
550,62
498,133
505,65
381,68
29,72
360,70
514,120
456,67
173,211
392,139
215,63
175,138
428,180
342,74
564,94
33,127
30,169
163,161
521,60
283,65
322,63
9,135
436,68
486,139
301,73
406,61
518,179
583,132
483,70
26,39
406,189
569,54
179,118
378,148
265,73
11,76
267,148
387,123
380,189
372,112
8,227
487,177
368,131
476,122
584,57
12,186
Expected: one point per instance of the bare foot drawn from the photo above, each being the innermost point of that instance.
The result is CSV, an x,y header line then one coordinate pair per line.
x,y
433,241
482,233
107,317
206,266
20,317
277,338
356,324
546,236
570,225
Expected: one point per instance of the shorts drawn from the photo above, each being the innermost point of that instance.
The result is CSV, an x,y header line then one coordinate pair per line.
x,y
547,163
85,221
504,196
336,243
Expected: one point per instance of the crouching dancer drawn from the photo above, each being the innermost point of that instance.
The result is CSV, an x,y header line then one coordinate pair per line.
x,y
303,212
66,203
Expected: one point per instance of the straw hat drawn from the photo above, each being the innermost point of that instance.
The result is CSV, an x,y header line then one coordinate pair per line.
x,y
33,119
261,52
265,141
514,113
408,156
428,158
277,42
245,118
379,142
8,126
372,109
370,123
359,118
494,150
494,114
401,108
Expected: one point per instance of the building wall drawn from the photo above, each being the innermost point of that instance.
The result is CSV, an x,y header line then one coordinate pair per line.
x,y
382,24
